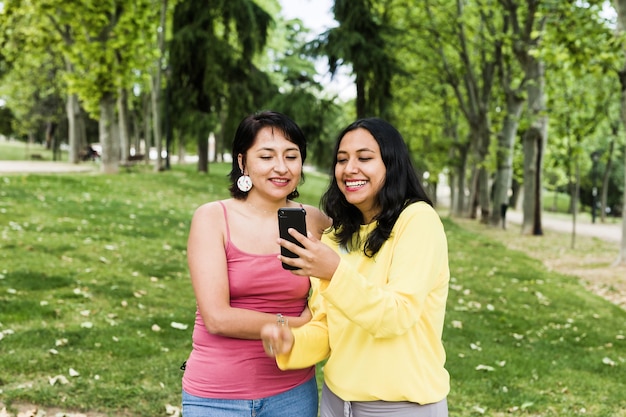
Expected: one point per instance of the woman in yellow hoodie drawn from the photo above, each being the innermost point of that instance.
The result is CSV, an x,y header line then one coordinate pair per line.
x,y
380,280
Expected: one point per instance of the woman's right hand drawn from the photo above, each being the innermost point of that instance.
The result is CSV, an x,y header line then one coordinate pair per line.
x,y
276,339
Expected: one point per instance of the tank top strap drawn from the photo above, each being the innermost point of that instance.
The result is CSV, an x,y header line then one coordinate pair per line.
x,y
225,220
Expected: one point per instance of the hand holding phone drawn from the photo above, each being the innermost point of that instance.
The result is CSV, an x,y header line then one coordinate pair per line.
x,y
291,217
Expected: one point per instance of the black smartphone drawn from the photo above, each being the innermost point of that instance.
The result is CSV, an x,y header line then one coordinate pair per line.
x,y
291,217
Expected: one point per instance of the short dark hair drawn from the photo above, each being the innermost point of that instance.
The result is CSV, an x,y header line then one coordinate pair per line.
x,y
245,135
401,188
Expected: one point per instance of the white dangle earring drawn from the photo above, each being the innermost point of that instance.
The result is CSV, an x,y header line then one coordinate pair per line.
x,y
244,183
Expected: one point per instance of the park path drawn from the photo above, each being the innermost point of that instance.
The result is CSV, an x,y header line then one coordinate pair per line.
x,y
44,167
610,231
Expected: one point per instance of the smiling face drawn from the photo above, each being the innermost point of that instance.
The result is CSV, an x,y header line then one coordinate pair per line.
x,y
360,171
273,163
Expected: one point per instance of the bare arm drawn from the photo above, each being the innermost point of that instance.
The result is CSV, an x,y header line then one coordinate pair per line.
x,y
209,277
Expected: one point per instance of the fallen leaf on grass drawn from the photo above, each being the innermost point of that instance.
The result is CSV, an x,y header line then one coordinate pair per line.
x,y
171,410
479,410
608,361
179,326
61,379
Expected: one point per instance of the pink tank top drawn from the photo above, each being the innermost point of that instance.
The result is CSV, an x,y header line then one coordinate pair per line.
x,y
229,368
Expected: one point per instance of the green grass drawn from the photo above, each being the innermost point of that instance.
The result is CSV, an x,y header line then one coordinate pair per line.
x,y
522,339
93,274
18,151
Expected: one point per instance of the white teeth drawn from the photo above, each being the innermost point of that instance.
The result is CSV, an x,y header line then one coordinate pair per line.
x,y
355,183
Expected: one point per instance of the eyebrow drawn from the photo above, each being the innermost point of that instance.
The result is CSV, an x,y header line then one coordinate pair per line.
x,y
358,150
265,149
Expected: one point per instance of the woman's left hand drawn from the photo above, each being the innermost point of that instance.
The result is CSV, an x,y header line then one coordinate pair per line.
x,y
314,259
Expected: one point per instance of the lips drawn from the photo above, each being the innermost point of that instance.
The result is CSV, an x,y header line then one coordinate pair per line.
x,y
279,181
352,185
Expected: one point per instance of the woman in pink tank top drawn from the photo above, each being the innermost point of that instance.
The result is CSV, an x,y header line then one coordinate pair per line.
x,y
240,285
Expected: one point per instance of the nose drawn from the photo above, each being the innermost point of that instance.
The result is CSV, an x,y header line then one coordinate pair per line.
x,y
351,166
281,166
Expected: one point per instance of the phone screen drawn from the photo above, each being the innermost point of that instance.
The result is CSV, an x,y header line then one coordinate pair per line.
x,y
291,217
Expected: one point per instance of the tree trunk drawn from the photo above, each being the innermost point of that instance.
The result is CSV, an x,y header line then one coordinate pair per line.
x,y
473,193
620,6
605,180
147,123
110,147
483,136
53,139
203,154
504,171
182,153
81,129
122,111
156,88
156,118
360,97
72,109
459,206
71,105
575,197
136,136
528,203
483,194
515,192
534,145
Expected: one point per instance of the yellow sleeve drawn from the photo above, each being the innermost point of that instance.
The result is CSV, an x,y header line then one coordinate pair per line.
x,y
391,300
311,340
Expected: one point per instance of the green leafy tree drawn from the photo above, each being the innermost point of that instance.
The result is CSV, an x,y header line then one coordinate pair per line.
x,y
103,49
211,55
620,6
301,96
31,80
362,41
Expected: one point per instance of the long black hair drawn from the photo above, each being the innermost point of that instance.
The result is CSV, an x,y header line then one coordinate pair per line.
x,y
401,188
245,136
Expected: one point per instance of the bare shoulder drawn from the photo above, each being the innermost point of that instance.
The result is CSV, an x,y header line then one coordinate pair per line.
x,y
210,212
316,219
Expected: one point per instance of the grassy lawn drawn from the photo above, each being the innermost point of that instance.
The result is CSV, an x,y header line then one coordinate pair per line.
x,y
96,307
18,151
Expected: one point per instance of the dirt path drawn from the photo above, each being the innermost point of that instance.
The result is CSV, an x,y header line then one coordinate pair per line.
x,y
30,410
44,167
589,255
